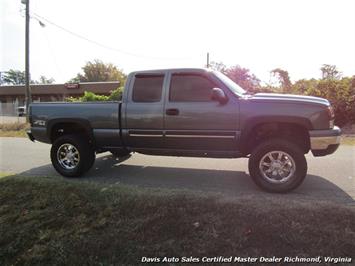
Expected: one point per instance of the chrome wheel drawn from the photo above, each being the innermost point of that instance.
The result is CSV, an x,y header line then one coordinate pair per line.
x,y
277,166
68,156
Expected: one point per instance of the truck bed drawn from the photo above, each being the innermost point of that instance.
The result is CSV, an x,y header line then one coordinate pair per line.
x,y
103,119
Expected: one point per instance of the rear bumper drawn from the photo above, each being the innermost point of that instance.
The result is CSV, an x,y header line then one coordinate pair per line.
x,y
39,134
324,142
30,136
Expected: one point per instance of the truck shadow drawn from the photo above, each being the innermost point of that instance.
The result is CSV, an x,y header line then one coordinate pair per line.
x,y
110,170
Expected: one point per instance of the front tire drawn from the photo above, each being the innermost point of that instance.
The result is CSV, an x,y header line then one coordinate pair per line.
x,y
72,155
277,166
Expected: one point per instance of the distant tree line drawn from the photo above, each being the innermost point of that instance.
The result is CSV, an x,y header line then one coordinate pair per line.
x,y
17,77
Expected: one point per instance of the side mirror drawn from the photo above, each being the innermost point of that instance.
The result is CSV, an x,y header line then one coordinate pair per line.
x,y
219,96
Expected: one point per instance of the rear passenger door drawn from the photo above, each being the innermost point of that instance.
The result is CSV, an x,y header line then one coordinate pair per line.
x,y
195,122
144,111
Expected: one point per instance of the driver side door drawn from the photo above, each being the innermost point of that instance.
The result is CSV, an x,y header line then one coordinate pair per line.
x,y
193,121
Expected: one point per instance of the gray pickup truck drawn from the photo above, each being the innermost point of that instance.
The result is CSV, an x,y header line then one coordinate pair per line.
x,y
191,112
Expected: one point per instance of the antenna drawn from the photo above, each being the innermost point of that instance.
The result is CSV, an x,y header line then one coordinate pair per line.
x,y
208,60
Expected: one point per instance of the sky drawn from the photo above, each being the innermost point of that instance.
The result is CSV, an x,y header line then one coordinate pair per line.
x,y
296,35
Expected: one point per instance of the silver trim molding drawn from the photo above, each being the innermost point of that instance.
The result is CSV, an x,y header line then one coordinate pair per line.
x,y
146,135
182,136
201,136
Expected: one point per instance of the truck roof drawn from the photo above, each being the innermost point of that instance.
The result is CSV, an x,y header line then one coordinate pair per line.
x,y
173,70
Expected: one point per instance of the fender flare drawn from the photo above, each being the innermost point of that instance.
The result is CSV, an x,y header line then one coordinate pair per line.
x,y
256,121
82,122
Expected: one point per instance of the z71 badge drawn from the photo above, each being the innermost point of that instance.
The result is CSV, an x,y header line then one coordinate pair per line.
x,y
39,123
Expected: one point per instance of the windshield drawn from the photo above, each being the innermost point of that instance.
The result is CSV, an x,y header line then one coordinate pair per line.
x,y
234,87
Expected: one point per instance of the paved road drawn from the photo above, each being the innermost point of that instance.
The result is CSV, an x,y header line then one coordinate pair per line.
x,y
330,178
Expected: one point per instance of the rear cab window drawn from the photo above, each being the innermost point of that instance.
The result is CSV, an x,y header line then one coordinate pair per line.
x,y
147,88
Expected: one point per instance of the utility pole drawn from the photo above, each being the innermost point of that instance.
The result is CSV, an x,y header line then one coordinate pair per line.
x,y
28,98
208,60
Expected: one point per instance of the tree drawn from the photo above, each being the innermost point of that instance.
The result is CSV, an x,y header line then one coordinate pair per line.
x,y
303,86
284,79
45,80
99,71
340,91
218,66
243,78
239,75
17,77
330,72
14,77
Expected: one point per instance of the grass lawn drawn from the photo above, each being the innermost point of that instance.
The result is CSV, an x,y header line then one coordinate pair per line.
x,y
54,221
13,133
348,140
13,129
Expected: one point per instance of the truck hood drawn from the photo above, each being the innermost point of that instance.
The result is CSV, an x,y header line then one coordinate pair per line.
x,y
288,98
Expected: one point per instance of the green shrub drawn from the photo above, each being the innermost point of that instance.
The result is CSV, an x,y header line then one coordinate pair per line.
x,y
340,93
92,97
116,95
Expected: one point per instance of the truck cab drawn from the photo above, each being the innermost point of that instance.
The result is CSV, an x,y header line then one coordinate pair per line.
x,y
182,112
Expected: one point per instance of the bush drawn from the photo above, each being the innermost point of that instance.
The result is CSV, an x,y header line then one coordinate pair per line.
x,y
116,95
341,94
92,97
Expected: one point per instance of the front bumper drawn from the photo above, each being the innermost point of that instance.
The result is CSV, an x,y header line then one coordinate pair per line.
x,y
324,142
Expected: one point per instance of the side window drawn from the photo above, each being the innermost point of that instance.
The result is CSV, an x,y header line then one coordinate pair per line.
x,y
190,88
147,88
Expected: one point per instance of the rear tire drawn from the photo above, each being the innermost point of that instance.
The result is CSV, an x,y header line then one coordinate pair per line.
x,y
277,166
72,155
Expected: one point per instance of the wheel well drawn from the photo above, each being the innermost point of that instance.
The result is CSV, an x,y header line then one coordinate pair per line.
x,y
292,132
65,128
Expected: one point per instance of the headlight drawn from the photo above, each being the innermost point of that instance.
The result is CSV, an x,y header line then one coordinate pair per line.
x,y
331,112
331,123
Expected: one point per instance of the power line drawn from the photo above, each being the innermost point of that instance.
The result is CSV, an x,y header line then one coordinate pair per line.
x,y
104,45
54,58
